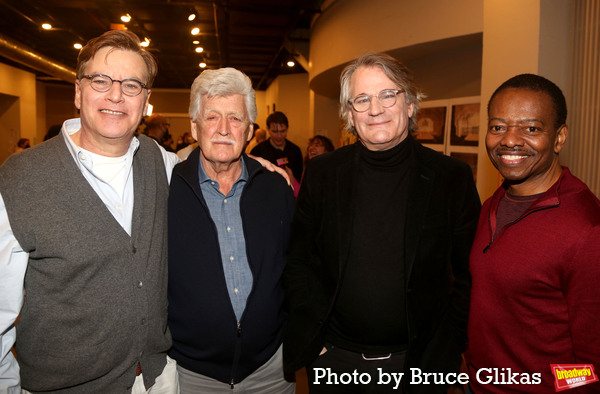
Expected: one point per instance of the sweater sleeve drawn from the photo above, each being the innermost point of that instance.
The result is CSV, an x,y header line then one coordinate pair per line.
x,y
13,263
581,292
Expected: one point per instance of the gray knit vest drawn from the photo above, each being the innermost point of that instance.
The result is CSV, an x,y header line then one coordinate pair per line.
x,y
96,298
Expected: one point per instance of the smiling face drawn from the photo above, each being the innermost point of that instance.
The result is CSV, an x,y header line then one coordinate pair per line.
x,y
522,141
109,119
222,130
315,148
379,128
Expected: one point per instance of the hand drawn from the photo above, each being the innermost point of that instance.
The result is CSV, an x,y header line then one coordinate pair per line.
x,y
273,168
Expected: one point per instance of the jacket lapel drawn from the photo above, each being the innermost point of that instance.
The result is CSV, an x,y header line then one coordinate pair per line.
x,y
420,189
346,197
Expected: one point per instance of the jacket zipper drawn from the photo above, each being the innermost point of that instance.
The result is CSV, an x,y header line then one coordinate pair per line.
x,y
528,212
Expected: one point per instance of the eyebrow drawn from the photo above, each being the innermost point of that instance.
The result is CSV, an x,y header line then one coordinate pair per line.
x,y
518,121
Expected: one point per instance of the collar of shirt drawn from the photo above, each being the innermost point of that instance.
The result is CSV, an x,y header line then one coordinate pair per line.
x,y
203,178
70,127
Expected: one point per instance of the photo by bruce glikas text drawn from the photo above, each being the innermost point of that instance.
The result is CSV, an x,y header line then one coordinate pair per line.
x,y
495,376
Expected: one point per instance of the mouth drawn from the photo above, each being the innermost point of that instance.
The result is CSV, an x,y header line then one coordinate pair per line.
x,y
512,158
109,112
223,142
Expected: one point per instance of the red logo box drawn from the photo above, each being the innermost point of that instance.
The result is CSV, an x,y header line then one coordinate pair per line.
x,y
567,376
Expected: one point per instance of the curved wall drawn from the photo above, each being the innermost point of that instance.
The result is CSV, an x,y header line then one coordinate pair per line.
x,y
348,28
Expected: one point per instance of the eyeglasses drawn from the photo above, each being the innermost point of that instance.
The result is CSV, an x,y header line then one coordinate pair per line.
x,y
102,83
387,98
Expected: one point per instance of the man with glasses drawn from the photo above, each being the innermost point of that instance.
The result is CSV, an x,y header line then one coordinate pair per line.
x,y
277,149
83,225
377,277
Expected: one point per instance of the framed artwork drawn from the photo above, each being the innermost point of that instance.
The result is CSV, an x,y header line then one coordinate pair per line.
x,y
451,127
464,128
469,158
431,125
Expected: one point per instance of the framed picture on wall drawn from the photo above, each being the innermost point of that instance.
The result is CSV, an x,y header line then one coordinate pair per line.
x,y
431,125
464,128
469,158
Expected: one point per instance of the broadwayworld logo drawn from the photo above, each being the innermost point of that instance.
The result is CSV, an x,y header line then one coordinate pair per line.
x,y
567,376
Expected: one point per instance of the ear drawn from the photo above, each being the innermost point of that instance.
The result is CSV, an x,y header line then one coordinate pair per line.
x,y
250,132
351,116
194,130
77,94
561,138
147,102
411,109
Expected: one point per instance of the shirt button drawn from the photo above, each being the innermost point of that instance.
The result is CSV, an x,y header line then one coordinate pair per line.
x,y
83,157
228,228
231,258
143,321
236,290
225,201
212,183
139,284
118,207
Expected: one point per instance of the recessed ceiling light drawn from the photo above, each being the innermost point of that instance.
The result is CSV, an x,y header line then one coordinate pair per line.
x,y
146,42
191,17
195,31
202,65
126,18
77,45
290,63
46,26
195,42
199,49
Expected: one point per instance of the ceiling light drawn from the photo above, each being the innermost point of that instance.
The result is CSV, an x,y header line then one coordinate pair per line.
x,y
191,17
46,26
126,18
195,31
195,42
199,49
77,45
291,63
146,42
202,65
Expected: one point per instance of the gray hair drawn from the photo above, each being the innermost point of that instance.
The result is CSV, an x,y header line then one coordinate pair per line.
x,y
219,83
395,70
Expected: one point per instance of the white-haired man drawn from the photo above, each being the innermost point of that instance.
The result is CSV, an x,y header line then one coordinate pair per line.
x,y
229,221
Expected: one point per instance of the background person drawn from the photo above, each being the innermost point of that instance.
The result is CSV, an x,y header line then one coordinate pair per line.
x,y
377,276
277,148
535,259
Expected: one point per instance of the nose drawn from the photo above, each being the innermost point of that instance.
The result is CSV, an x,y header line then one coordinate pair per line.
x,y
512,137
223,127
375,108
114,93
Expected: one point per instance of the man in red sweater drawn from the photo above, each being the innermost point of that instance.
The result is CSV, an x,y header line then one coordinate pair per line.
x,y
535,261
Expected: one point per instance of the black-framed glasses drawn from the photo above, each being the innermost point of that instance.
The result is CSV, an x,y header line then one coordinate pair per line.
x,y
387,98
102,83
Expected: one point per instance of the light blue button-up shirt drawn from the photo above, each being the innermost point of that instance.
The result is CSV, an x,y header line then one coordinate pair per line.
x,y
225,213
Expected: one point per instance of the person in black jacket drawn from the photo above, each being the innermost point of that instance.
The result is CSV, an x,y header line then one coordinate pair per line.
x,y
229,224
378,270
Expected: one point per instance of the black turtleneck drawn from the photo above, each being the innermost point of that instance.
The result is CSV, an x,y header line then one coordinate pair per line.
x,y
370,312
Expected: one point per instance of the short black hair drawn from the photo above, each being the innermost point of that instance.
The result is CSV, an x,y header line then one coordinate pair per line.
x,y
277,117
538,83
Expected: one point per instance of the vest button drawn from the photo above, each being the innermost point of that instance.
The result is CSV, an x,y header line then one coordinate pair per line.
x,y
139,284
